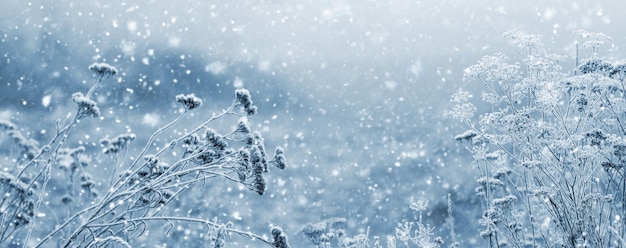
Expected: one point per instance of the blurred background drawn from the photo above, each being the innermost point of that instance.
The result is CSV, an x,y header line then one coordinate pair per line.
x,y
355,91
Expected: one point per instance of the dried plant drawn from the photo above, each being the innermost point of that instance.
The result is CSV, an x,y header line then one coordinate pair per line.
x,y
138,191
550,149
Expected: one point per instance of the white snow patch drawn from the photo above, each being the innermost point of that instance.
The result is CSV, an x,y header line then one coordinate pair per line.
x,y
264,66
131,26
215,68
151,119
174,41
238,83
416,68
391,85
236,215
128,47
549,13
45,101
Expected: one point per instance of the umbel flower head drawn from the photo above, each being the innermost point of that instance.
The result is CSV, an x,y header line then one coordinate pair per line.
x,y
245,101
103,70
279,239
86,106
115,145
189,101
279,158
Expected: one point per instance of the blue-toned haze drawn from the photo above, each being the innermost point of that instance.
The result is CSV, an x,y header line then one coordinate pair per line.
x,y
356,92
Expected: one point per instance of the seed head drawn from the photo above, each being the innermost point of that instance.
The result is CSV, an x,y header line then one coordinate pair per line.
x,y
103,70
215,139
279,158
245,101
189,101
279,238
243,126
86,107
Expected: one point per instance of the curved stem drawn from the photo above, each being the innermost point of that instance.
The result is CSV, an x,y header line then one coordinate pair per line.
x,y
66,223
186,219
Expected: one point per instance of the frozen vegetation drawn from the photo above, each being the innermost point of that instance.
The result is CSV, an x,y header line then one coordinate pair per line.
x,y
280,124
140,190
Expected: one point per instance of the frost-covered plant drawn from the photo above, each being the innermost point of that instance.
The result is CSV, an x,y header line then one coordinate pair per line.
x,y
551,148
332,233
138,191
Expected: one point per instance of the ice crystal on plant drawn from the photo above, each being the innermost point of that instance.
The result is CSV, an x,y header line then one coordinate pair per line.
x,y
528,42
463,111
591,39
461,96
493,68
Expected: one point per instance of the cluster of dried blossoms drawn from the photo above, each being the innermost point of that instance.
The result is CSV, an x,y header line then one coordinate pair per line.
x,y
17,204
551,147
246,157
144,187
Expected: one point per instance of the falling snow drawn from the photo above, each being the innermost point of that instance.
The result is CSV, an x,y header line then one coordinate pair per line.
x,y
357,93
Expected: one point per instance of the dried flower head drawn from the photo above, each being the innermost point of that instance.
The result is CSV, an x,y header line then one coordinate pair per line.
x,y
103,70
279,158
245,101
189,101
314,231
591,39
524,40
215,139
117,144
596,66
279,239
28,147
243,126
6,125
259,184
461,96
504,202
463,111
488,181
86,107
419,205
